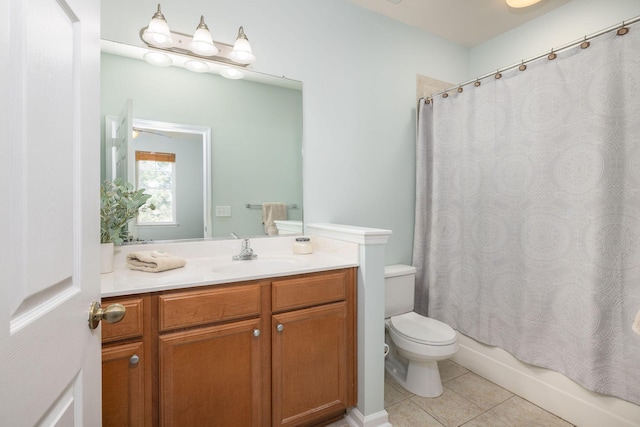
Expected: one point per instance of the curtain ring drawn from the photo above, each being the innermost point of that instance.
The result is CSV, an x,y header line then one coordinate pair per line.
x,y
477,83
552,56
427,101
622,31
522,67
445,95
460,89
498,75
585,44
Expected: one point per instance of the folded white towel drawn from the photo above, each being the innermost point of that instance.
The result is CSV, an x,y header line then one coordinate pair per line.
x,y
154,261
272,211
636,324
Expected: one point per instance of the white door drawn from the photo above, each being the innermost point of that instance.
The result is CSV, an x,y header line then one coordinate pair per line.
x,y
49,222
119,144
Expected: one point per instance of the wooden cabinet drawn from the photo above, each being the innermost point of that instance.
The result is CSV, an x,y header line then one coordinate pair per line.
x,y
215,372
126,396
123,385
280,352
313,348
212,376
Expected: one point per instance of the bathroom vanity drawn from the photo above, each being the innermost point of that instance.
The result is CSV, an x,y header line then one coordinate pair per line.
x,y
275,351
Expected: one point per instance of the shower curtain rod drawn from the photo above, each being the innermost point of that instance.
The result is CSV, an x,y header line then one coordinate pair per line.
x,y
542,55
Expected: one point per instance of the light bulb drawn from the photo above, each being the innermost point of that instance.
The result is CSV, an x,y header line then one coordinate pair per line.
x,y
521,3
232,73
202,42
158,33
157,58
241,52
196,66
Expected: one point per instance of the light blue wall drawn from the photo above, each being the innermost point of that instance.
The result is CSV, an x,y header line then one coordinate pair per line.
x,y
256,131
359,72
563,25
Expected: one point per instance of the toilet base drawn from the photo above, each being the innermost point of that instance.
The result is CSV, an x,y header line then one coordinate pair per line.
x,y
420,378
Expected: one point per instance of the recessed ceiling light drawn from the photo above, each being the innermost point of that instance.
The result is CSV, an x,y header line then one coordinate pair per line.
x,y
395,1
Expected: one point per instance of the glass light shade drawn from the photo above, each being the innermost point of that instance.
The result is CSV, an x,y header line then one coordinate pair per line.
x,y
521,3
202,42
196,66
241,52
232,73
158,58
158,33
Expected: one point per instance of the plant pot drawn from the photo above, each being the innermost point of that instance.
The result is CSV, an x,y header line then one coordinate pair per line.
x,y
106,258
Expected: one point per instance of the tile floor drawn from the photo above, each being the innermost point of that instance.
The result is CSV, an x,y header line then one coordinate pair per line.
x,y
468,400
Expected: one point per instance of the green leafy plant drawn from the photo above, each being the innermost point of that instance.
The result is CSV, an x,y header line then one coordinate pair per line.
x,y
119,204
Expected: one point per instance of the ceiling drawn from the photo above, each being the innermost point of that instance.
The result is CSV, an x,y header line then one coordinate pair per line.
x,y
465,22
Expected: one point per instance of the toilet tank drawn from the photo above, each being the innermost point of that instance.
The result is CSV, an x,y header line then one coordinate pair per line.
x,y
399,289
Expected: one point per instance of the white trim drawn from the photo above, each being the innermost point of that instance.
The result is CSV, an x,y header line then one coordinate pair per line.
x,y
548,389
205,133
355,419
350,233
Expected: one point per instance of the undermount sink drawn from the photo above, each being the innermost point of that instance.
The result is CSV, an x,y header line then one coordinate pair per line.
x,y
260,265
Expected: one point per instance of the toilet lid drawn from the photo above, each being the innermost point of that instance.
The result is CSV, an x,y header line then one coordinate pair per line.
x,y
415,327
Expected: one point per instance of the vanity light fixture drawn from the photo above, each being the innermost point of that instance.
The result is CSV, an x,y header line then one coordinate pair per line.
x,y
241,52
201,45
158,33
202,42
516,4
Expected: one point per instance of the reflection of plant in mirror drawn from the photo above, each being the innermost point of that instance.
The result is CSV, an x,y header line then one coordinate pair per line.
x,y
119,204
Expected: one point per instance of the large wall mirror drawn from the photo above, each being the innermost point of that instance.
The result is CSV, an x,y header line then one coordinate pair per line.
x,y
229,145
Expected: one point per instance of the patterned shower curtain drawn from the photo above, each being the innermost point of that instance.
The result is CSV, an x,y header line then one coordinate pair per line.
x,y
527,232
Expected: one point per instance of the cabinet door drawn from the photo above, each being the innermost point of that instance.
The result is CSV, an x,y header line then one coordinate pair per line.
x,y
123,385
212,376
309,376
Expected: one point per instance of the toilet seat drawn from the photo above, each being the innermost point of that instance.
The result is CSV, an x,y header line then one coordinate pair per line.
x,y
423,330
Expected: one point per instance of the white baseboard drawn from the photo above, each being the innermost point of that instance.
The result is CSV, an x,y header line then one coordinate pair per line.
x,y
356,419
548,389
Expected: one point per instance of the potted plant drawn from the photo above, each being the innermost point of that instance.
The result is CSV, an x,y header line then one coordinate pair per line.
x,y
119,204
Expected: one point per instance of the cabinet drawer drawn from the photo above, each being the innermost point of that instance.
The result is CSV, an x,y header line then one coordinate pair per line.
x,y
192,308
308,291
132,323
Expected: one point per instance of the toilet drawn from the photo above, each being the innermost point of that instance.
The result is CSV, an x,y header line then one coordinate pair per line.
x,y
416,342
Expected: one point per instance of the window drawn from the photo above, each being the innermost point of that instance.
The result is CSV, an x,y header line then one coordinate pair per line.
x,y
156,173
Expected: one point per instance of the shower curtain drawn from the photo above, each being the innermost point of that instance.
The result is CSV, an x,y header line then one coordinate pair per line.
x,y
527,233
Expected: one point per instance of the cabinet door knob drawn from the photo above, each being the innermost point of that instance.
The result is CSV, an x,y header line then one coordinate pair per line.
x,y
134,359
256,332
279,327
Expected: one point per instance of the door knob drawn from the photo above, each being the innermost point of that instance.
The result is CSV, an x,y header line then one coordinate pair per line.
x,y
112,314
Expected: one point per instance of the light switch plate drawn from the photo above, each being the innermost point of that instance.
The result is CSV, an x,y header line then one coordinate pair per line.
x,y
223,210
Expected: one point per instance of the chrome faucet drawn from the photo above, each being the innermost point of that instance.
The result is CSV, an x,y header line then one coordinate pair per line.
x,y
246,253
234,235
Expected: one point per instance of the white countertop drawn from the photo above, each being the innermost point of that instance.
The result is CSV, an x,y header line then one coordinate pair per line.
x,y
209,263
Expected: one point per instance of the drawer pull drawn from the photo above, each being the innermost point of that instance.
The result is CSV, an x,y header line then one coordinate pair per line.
x,y
280,327
256,332
134,359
